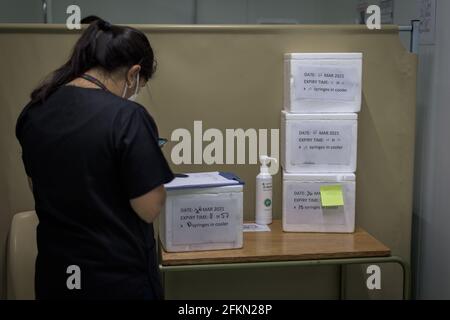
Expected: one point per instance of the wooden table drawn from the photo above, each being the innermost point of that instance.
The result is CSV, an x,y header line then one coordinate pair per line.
x,y
278,248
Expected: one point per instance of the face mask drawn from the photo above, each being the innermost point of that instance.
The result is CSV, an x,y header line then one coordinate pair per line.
x,y
134,96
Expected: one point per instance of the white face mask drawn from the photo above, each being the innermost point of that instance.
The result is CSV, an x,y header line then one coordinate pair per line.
x,y
134,96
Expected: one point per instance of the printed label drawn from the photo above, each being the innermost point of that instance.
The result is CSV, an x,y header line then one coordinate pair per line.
x,y
204,221
303,206
321,143
326,83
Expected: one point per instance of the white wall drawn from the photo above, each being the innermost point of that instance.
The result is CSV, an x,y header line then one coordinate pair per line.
x,y
304,11
131,11
187,11
23,11
404,12
222,12
432,202
434,163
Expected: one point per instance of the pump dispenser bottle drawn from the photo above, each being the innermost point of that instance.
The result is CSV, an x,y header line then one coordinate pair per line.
x,y
264,192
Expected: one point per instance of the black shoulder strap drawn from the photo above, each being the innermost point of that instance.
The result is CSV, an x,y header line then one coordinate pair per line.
x,y
94,81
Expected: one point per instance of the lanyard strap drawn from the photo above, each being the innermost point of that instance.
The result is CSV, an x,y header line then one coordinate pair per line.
x,y
94,81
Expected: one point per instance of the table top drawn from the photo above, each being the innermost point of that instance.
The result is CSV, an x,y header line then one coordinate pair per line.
x,y
277,245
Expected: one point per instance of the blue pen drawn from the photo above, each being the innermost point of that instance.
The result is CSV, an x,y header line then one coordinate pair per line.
x,y
162,142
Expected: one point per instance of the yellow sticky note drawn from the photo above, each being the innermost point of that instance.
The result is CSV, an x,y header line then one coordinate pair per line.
x,y
331,196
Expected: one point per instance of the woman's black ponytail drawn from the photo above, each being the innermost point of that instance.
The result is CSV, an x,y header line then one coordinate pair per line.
x,y
101,45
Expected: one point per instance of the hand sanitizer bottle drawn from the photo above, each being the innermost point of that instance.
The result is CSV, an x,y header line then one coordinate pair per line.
x,y
264,192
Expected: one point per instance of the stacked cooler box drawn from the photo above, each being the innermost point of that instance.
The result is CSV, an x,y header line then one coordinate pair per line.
x,y
322,96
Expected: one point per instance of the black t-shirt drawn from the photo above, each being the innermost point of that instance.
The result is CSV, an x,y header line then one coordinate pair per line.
x,y
88,152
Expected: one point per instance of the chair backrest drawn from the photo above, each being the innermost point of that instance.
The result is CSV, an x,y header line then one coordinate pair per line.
x,y
21,256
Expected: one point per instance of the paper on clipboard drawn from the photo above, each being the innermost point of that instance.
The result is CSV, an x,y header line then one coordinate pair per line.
x,y
210,179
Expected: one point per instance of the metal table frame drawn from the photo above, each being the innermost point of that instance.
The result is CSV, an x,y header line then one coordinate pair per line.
x,y
342,263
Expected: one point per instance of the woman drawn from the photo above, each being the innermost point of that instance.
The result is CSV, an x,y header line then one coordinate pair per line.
x,y
96,170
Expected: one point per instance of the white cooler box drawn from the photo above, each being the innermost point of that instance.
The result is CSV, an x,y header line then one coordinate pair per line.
x,y
302,204
203,212
322,82
319,143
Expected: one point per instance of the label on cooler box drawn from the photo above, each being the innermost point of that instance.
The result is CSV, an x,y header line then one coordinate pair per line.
x,y
326,83
316,143
303,206
204,221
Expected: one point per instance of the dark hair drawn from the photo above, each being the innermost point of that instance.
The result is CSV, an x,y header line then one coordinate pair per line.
x,y
89,19
101,45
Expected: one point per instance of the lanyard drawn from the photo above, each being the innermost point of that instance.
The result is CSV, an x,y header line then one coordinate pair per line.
x,y
94,81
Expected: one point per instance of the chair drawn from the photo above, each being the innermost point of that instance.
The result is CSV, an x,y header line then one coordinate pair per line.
x,y
21,256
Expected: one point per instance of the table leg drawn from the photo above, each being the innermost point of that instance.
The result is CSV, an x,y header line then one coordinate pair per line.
x,y
163,280
342,281
406,277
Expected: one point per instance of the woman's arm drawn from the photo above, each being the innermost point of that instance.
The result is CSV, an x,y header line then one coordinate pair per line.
x,y
30,183
149,206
